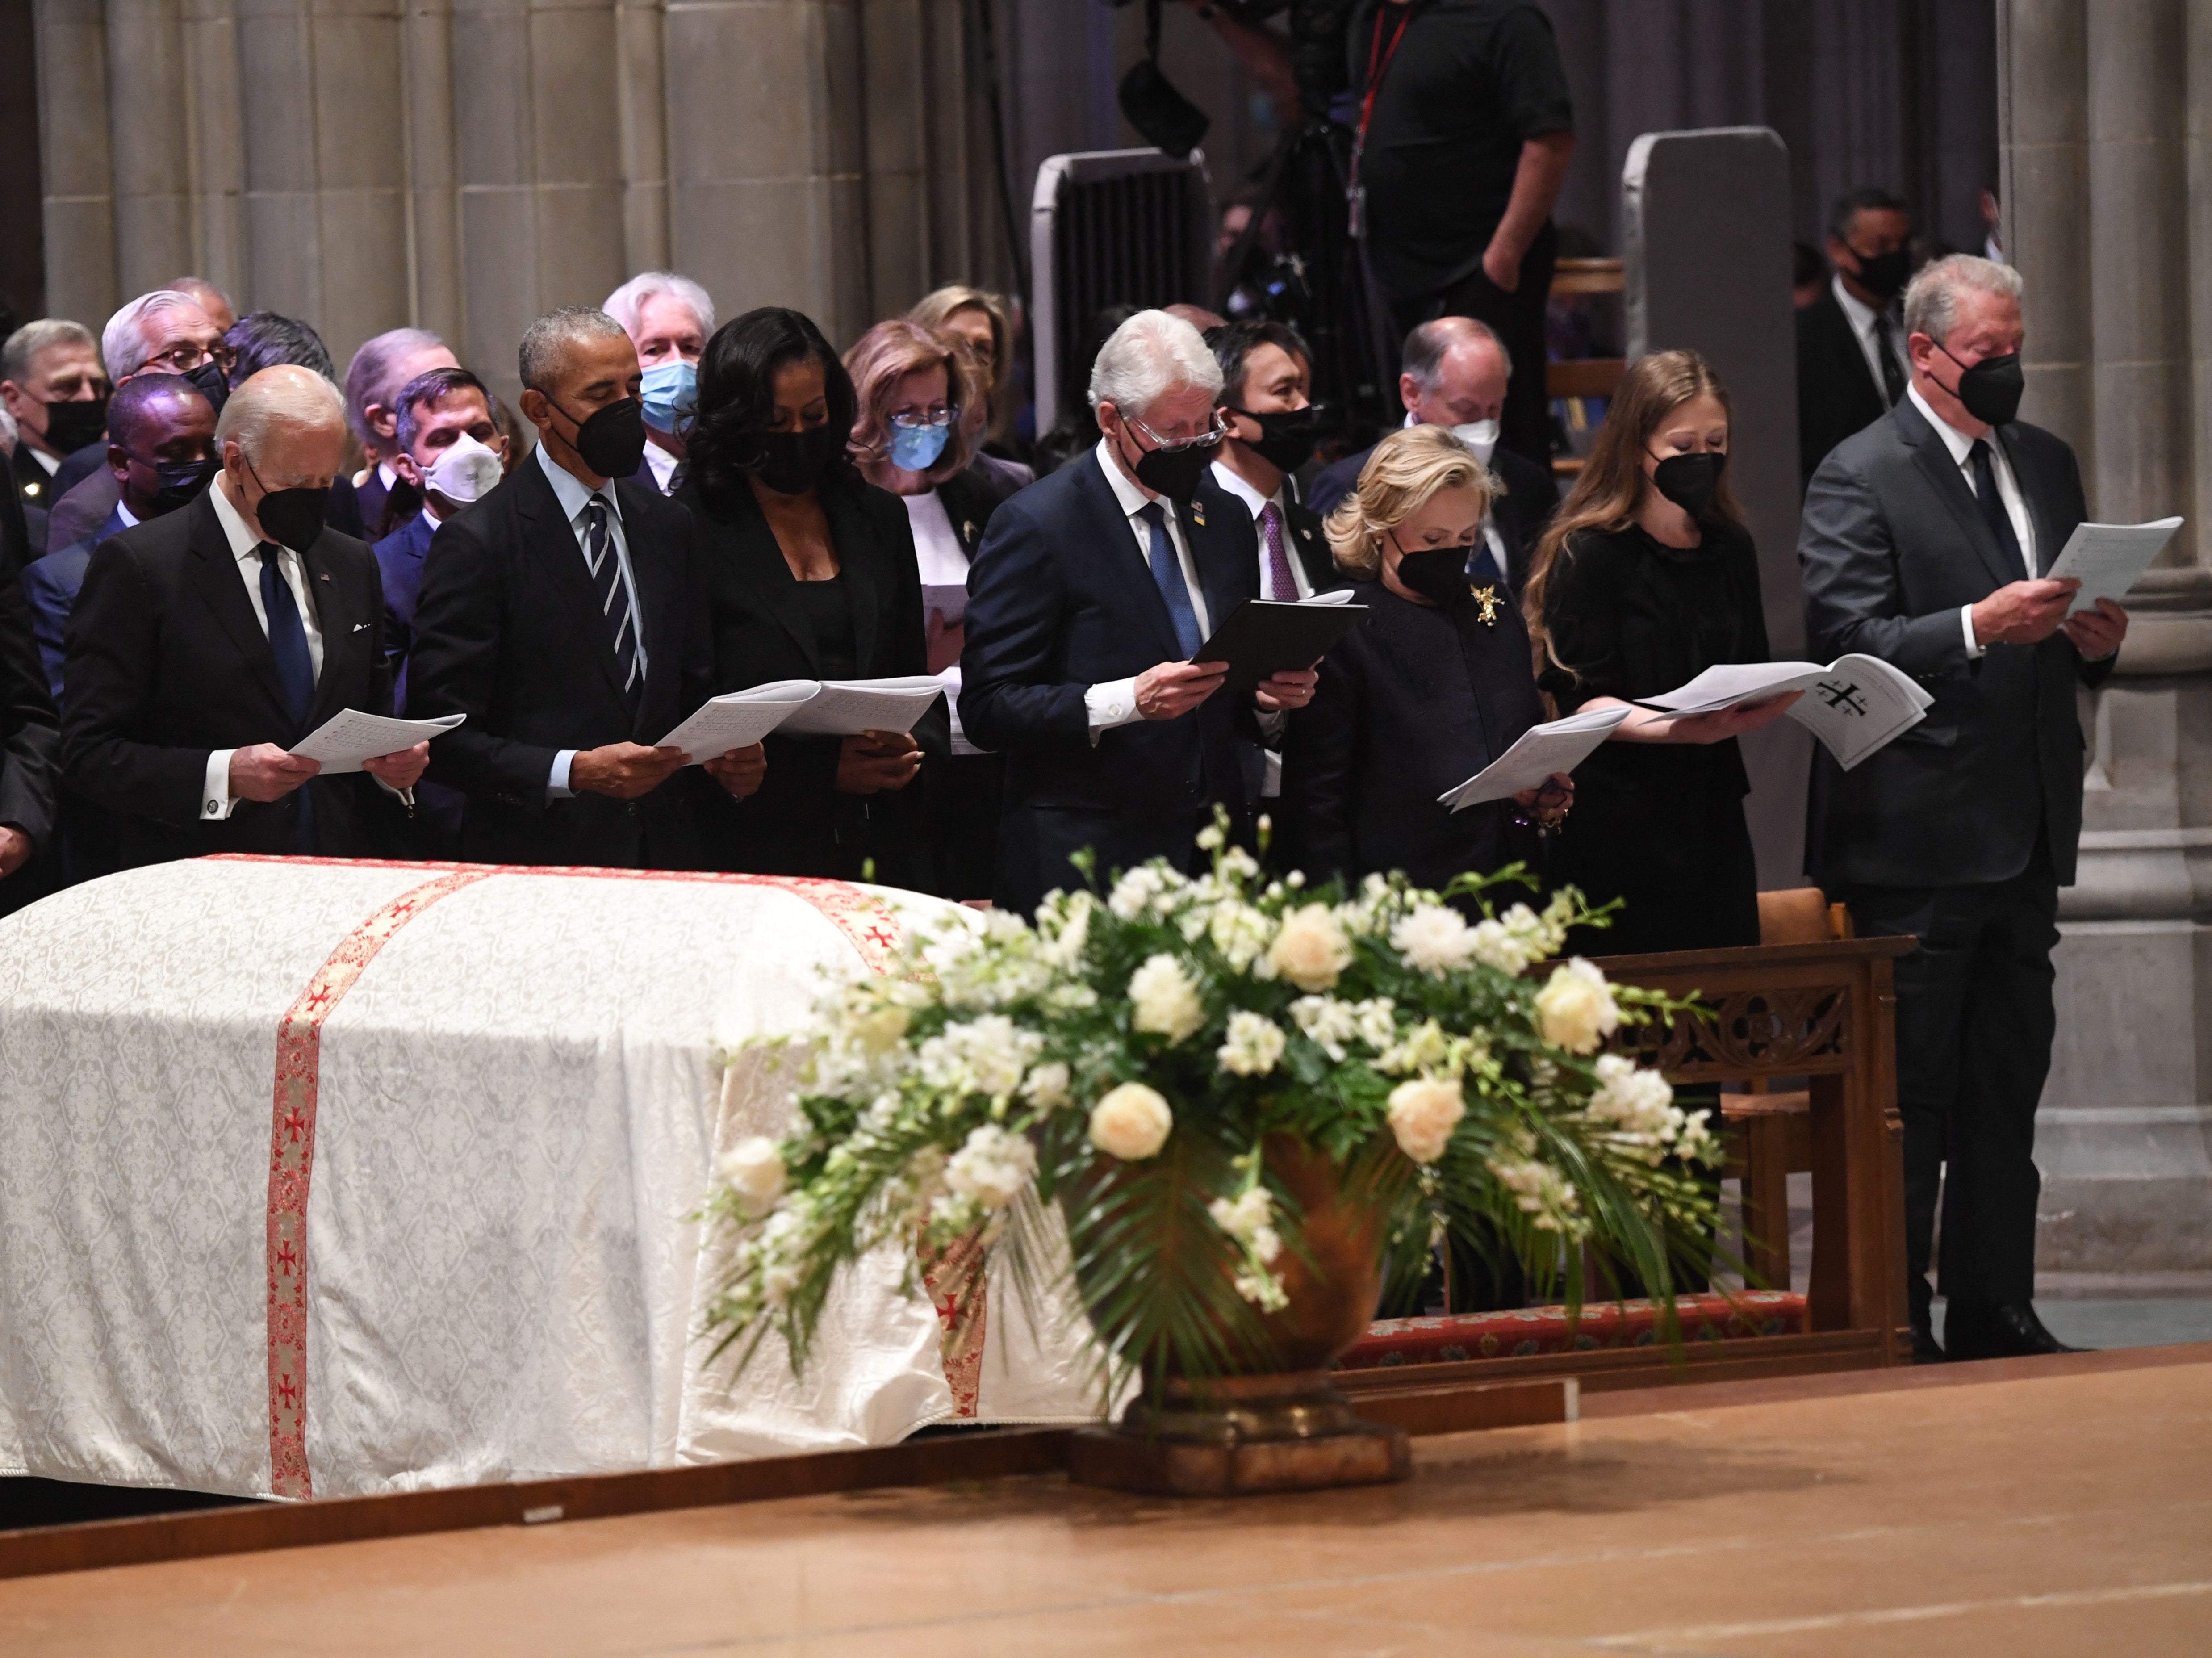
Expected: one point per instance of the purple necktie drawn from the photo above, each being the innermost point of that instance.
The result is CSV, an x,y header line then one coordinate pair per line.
x,y
1280,586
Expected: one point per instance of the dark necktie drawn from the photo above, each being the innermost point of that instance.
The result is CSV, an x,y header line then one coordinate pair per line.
x,y
1282,585
1993,507
1167,572
1482,567
1884,340
295,672
614,596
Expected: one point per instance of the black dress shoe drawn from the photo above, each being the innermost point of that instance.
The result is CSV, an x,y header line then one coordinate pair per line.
x,y
1989,1330
1925,1350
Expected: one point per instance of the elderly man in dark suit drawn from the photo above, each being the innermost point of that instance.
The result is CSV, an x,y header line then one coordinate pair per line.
x,y
1925,543
207,642
1851,362
564,616
1091,593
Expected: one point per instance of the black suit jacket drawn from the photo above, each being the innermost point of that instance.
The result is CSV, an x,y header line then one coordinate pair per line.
x,y
1521,509
508,631
1060,598
1837,394
165,663
796,823
1893,544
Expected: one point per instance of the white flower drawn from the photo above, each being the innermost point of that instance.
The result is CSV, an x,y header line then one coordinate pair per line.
x,y
1162,999
1143,888
1066,929
1433,938
1495,947
1131,1123
1424,1048
1423,1113
1047,1086
1255,1043
1211,838
982,1056
1539,1190
1250,1220
1310,948
1328,1023
1640,1102
1377,1018
753,1169
1240,932
1574,1009
993,1167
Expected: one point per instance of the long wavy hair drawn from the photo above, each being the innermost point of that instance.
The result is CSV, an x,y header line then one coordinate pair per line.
x,y
1613,481
737,400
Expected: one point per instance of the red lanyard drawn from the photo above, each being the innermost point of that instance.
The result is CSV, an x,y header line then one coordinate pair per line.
x,y
1375,74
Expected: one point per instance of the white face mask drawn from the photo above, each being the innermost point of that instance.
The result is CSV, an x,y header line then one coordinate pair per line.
x,y
1481,436
466,472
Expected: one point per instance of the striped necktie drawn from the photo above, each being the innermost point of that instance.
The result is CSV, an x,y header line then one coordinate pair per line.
x,y
614,596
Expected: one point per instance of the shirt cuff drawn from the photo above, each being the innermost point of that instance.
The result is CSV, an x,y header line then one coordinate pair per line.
x,y
1114,703
1271,722
1974,646
556,786
216,801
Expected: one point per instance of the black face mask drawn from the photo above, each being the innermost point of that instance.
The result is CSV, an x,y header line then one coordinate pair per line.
x,y
612,442
1437,574
1170,474
1286,438
182,481
1689,480
70,426
210,382
1992,389
292,518
791,463
1884,274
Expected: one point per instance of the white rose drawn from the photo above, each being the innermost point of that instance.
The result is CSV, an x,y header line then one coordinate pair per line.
x,y
1423,1114
993,1167
1310,949
1046,1087
1163,1001
753,1169
1131,1123
1495,946
1433,939
1255,1043
1574,1009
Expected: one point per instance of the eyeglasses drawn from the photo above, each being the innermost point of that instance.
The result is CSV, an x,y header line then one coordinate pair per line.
x,y
186,354
907,421
1171,445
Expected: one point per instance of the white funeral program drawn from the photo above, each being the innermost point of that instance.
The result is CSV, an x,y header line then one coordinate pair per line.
x,y
1855,705
1556,746
349,737
739,720
813,707
2107,559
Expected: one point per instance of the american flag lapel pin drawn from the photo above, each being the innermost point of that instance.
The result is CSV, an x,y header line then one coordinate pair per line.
x,y
1198,514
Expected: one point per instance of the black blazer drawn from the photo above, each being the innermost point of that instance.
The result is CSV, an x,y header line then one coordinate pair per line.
x,y
1412,704
30,738
1060,598
508,631
1836,394
164,664
1521,509
1893,544
796,823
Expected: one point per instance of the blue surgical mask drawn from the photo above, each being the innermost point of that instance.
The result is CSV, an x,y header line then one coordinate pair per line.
x,y
671,389
915,448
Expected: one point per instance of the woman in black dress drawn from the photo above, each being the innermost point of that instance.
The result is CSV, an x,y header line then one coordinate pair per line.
x,y
810,574
1647,577
1435,685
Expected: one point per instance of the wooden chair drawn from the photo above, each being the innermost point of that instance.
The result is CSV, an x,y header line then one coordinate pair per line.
x,y
1769,1135
1584,377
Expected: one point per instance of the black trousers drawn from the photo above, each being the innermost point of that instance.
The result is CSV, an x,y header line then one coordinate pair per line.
x,y
1518,319
1974,1025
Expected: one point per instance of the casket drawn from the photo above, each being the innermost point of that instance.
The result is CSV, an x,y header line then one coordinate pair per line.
x,y
323,1177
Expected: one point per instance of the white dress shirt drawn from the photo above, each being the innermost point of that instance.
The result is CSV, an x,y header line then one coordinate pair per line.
x,y
1862,320
2015,504
51,463
216,801
131,522
663,464
574,498
938,553
1256,502
1115,702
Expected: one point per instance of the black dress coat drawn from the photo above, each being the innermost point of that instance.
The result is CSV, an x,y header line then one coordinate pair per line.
x,y
798,824
1658,824
1414,702
964,794
30,738
1838,395
165,663
508,630
1060,598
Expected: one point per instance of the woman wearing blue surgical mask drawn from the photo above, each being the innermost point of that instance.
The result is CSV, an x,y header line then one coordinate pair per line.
x,y
923,403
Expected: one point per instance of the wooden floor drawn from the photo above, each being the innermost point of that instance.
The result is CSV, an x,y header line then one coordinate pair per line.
x,y
2027,1510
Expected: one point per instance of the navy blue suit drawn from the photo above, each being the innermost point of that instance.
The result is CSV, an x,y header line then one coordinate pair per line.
x,y
434,831
51,584
1060,599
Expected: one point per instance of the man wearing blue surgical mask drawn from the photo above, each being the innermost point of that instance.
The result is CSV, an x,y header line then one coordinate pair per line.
x,y
668,318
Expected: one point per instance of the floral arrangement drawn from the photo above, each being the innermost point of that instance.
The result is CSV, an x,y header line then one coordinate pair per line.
x,y
1128,1058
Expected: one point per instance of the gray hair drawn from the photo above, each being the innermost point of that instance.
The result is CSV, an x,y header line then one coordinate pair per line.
x,y
8,434
284,396
377,372
1149,356
626,304
1931,302
1429,345
23,346
545,343
122,344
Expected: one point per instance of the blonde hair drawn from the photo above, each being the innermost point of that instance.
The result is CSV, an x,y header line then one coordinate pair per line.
x,y
1612,482
1407,469
935,309
886,355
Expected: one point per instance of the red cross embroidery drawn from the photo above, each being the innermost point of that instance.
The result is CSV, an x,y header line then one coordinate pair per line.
x,y
287,1391
294,1124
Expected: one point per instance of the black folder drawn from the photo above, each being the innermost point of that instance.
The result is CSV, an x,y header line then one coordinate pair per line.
x,y
1265,636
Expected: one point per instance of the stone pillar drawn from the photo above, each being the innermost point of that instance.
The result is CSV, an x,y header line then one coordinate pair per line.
x,y
2103,109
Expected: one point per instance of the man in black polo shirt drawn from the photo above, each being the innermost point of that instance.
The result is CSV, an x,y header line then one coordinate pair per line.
x,y
1467,130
